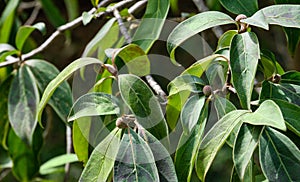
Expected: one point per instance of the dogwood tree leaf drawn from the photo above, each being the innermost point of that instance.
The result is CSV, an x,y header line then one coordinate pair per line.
x,y
61,77
225,40
43,72
94,104
268,113
80,130
284,15
23,103
279,156
194,25
152,23
102,159
244,146
240,7
223,106
135,59
53,164
244,55
214,140
185,82
188,146
143,103
191,113
135,161
292,77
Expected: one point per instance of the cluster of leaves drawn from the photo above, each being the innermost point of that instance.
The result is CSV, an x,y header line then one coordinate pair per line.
x,y
256,117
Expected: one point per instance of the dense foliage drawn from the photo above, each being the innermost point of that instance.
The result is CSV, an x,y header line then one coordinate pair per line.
x,y
128,118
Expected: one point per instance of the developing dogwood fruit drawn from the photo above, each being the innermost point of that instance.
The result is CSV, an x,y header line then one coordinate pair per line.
x,y
276,78
120,123
207,90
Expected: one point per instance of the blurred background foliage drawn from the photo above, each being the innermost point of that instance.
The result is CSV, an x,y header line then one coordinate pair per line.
x,y
70,45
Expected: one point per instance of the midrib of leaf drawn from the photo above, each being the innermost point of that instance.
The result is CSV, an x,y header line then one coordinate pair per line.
x,y
278,155
133,156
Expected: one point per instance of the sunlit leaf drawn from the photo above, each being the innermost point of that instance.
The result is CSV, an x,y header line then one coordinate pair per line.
x,y
94,104
22,104
191,113
135,161
225,40
135,59
244,146
223,106
283,15
185,83
188,147
284,91
240,7
143,103
244,55
102,159
268,113
51,165
279,156
152,23
81,127
86,18
214,140
194,25
66,73
44,72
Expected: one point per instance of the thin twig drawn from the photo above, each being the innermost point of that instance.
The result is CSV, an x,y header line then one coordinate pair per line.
x,y
68,150
137,6
153,84
12,60
202,8
33,15
27,5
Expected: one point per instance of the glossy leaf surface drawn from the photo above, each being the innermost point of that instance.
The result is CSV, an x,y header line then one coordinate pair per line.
x,y
244,55
135,161
142,102
22,104
81,127
247,8
102,159
51,165
214,140
279,156
94,104
283,15
185,83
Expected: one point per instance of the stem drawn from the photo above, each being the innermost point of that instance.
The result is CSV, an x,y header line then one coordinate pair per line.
x,y
12,60
68,150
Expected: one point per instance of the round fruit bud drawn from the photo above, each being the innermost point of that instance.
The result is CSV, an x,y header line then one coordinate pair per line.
x,y
276,78
207,90
120,123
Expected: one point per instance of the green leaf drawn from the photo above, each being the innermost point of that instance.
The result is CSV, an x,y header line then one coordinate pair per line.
x,y
4,122
191,113
8,53
244,55
22,104
135,161
105,38
284,91
51,165
67,72
86,18
81,129
270,66
292,77
72,7
244,146
135,59
279,156
143,103
223,106
194,25
268,113
240,7
152,23
52,13
225,40
188,147
61,100
95,2
283,15
214,140
163,160
25,163
185,83
102,159
7,19
198,68
24,32
291,114
94,104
